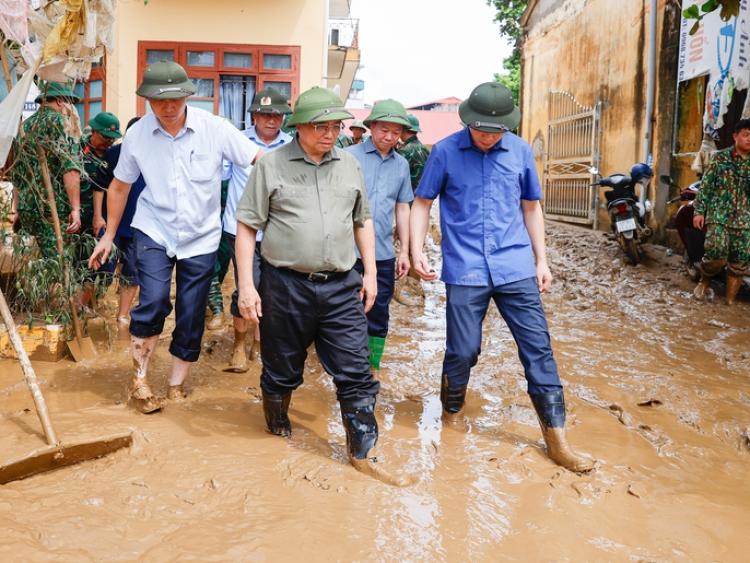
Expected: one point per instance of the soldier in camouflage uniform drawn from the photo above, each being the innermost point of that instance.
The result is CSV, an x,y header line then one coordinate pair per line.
x,y
46,129
105,130
723,207
413,150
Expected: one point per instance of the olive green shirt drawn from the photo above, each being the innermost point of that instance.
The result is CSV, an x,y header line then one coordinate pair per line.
x,y
307,211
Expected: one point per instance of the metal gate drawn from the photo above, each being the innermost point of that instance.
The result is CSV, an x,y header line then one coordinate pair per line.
x,y
573,148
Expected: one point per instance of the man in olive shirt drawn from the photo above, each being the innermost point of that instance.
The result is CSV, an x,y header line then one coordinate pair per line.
x,y
310,200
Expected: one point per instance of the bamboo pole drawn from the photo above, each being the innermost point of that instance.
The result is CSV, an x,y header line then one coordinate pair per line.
x,y
28,372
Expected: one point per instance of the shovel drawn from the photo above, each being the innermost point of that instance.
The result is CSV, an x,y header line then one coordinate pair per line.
x,y
55,454
82,348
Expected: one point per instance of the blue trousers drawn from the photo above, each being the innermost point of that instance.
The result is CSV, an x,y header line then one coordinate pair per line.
x,y
520,305
193,278
379,316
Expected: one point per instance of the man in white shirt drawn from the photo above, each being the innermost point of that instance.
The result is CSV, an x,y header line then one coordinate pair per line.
x,y
267,110
179,151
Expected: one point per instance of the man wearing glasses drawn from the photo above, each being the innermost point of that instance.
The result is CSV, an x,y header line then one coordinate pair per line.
x,y
493,249
309,199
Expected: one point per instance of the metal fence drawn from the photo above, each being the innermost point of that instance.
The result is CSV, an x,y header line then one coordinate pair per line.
x,y
573,137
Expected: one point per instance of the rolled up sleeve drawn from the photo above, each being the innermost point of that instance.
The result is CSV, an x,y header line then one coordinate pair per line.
x,y
254,203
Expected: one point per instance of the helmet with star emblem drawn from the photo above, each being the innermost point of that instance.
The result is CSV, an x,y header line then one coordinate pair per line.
x,y
269,100
165,80
490,109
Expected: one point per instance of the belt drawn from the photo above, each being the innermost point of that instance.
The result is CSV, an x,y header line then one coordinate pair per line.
x,y
315,276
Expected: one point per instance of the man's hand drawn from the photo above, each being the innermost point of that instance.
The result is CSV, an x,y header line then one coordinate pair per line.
x,y
369,290
402,265
99,225
423,268
100,255
699,221
74,221
249,304
543,276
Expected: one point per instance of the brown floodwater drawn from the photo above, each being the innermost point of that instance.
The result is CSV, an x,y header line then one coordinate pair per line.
x,y
657,388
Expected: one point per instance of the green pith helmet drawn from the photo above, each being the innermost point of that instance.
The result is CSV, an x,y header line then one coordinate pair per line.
x,y
269,100
165,80
390,111
107,124
490,109
414,127
316,105
52,90
358,125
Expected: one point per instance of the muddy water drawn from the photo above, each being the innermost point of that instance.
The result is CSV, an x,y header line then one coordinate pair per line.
x,y
658,391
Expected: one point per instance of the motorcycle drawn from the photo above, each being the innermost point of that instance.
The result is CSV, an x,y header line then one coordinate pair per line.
x,y
693,239
628,210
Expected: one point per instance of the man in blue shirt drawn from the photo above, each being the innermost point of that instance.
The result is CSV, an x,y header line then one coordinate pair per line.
x,y
267,110
389,190
493,248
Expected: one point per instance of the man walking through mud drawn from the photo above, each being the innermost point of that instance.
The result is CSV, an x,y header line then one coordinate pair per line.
x,y
389,193
723,208
310,200
493,249
177,225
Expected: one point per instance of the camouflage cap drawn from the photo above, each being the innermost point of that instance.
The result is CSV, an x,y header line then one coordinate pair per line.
x,y
107,124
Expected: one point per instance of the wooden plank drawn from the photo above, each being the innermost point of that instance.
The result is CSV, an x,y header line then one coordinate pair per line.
x,y
42,342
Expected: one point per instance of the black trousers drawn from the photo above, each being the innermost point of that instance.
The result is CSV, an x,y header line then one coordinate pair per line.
x,y
298,312
379,315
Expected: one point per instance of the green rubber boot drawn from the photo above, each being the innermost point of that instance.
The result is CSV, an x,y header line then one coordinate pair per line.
x,y
376,345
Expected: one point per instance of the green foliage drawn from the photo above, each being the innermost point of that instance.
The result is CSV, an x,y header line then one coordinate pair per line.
x,y
729,8
508,16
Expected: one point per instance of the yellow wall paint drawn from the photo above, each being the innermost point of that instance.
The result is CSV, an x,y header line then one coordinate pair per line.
x,y
267,22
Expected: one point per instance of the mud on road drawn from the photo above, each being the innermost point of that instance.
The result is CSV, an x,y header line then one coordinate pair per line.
x,y
657,388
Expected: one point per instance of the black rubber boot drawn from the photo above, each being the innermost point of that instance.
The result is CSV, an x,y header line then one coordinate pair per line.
x,y
275,409
550,408
361,427
452,399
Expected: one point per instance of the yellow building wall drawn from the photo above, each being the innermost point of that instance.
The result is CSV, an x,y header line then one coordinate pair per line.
x,y
596,50
278,22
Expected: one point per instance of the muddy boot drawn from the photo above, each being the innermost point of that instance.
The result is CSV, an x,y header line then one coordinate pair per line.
x,y
358,416
452,399
276,409
142,398
176,393
550,408
733,287
217,321
254,350
376,344
700,290
239,358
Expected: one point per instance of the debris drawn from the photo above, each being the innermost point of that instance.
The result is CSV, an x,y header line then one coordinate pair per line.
x,y
651,403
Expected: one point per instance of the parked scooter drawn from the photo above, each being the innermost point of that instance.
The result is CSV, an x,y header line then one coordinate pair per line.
x,y
693,239
627,209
